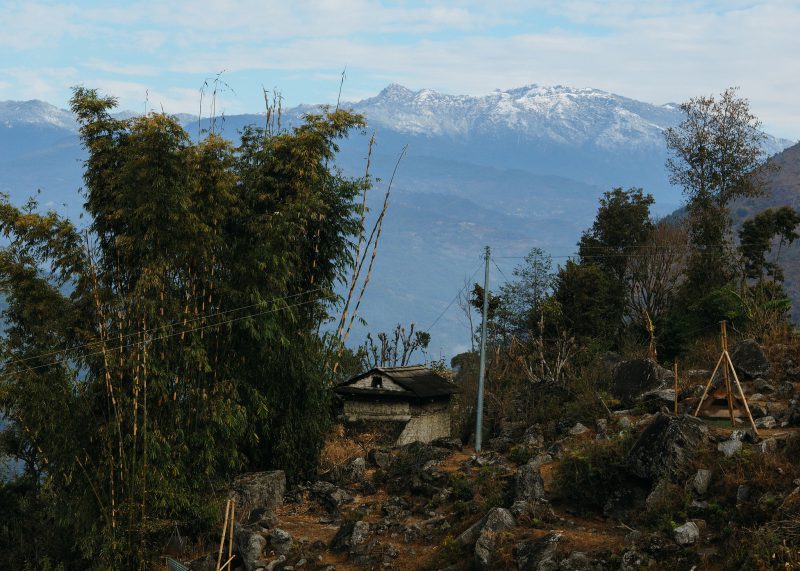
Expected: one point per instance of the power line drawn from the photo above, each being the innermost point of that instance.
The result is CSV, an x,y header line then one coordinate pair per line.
x,y
167,325
151,340
452,301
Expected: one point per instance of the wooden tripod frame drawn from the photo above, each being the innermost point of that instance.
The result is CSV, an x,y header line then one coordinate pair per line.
x,y
727,370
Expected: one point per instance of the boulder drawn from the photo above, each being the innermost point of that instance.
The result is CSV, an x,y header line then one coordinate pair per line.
x,y
577,561
532,437
730,447
496,519
330,496
700,481
766,422
630,379
666,446
250,544
380,458
687,534
448,443
529,485
537,554
749,360
349,473
280,541
261,491
578,429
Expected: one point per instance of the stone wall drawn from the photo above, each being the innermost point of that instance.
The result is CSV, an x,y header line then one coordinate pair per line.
x,y
380,410
428,422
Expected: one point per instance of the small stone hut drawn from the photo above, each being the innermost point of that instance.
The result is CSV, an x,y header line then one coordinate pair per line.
x,y
415,399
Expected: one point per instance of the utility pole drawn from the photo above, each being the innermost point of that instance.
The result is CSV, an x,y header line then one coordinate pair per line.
x,y
481,374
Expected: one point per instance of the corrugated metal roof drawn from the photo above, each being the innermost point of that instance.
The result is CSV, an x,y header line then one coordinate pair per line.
x,y
418,380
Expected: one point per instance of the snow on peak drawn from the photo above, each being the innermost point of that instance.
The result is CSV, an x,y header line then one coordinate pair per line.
x,y
561,114
35,112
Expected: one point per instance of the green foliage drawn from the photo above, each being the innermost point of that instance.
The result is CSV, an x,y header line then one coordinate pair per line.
x,y
589,476
716,157
621,225
175,342
591,301
757,235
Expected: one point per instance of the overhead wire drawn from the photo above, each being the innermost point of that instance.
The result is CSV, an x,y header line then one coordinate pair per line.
x,y
183,331
168,325
452,301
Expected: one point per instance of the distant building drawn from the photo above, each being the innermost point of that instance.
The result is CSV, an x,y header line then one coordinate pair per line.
x,y
415,399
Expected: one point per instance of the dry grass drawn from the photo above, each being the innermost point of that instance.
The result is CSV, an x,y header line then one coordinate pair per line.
x,y
341,447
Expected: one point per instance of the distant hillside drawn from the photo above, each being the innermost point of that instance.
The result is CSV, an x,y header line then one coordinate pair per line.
x,y
783,189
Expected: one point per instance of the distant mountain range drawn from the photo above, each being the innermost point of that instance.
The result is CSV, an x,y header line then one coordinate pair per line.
x,y
513,169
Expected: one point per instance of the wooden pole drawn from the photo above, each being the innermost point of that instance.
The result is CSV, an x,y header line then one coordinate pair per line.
x,y
741,392
230,530
675,373
708,385
222,537
726,375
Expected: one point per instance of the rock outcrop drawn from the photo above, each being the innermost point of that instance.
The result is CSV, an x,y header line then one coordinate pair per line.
x,y
666,446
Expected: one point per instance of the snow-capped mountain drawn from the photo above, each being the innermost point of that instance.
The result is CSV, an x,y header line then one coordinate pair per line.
x,y
564,115
513,169
35,112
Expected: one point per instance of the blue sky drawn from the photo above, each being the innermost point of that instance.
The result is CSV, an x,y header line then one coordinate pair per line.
x,y
161,52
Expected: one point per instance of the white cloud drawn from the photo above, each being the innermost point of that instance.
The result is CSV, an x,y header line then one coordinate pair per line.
x,y
651,50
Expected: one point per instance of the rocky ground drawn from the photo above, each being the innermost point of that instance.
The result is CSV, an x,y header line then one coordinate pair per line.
x,y
638,489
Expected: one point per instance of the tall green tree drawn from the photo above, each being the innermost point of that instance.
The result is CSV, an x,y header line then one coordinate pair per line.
x,y
717,152
621,225
174,342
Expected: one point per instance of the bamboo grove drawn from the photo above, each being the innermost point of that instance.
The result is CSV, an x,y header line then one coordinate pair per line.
x,y
175,340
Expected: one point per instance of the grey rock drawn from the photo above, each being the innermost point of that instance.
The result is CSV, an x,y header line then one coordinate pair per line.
x,y
349,473
577,561
262,491
749,360
629,379
687,534
701,481
529,483
496,521
742,494
532,437
768,445
762,386
537,554
379,458
632,560
250,546
330,496
634,537
578,429
625,422
658,495
666,446
766,422
280,541
448,443
729,447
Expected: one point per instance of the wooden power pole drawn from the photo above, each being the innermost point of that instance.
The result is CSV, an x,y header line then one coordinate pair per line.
x,y
482,372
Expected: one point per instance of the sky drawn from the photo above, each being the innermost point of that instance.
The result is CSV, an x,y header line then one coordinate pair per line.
x,y
153,54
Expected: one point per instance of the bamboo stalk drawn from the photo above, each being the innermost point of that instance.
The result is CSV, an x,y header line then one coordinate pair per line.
x,y
222,537
230,531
